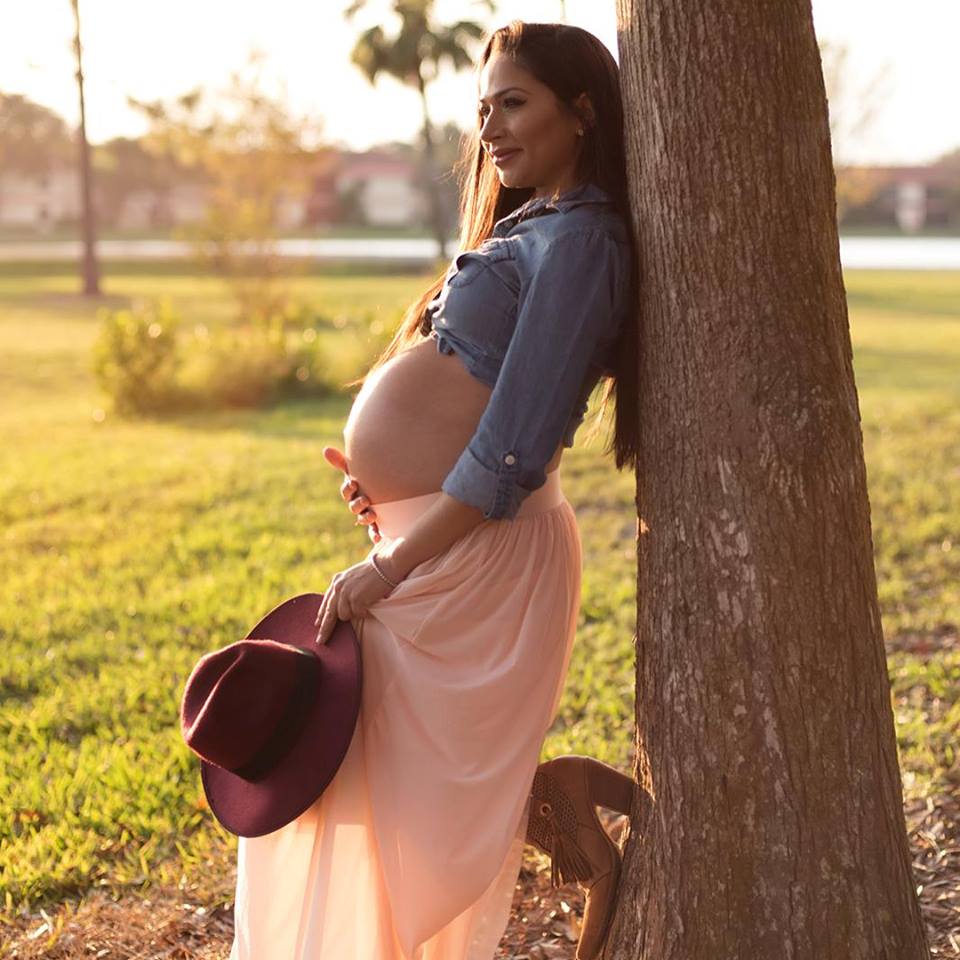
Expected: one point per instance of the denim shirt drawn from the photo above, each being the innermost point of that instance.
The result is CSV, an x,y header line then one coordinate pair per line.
x,y
533,312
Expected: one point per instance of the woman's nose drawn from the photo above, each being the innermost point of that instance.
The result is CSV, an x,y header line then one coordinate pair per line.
x,y
488,131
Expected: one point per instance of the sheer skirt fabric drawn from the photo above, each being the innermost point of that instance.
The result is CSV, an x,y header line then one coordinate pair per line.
x,y
413,850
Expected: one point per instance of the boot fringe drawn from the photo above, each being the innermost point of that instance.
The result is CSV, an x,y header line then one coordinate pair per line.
x,y
567,861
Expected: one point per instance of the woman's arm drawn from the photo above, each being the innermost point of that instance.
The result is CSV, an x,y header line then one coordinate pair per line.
x,y
574,299
571,301
442,524
436,529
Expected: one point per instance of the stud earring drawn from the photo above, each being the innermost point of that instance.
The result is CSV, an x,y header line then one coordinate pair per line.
x,y
580,133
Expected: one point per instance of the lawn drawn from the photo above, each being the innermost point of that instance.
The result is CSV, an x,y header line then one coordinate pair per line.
x,y
130,549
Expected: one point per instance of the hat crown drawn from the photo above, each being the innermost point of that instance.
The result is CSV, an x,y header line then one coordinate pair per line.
x,y
243,705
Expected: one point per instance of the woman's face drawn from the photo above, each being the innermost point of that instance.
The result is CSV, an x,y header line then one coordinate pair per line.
x,y
520,114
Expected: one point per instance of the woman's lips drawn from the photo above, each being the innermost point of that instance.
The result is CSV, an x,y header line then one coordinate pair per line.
x,y
505,157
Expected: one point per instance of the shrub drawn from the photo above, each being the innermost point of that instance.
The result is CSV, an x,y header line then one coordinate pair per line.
x,y
135,357
240,366
148,361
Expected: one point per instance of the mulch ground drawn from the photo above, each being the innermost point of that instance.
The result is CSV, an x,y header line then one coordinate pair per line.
x,y
172,924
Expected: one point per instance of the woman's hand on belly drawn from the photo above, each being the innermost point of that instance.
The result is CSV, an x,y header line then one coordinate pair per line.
x,y
358,502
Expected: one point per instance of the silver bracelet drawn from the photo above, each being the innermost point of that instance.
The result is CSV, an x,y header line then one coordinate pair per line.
x,y
383,576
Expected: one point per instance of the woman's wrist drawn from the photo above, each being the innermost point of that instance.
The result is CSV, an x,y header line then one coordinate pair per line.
x,y
443,523
390,560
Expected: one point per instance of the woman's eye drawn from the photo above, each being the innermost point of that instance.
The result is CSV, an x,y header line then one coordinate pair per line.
x,y
506,101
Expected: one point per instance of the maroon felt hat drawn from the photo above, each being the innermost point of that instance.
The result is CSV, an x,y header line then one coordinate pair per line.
x,y
271,716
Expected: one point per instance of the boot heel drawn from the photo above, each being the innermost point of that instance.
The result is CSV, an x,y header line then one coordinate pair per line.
x,y
598,913
608,786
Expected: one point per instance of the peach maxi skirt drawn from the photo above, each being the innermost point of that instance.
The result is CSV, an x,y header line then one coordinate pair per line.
x,y
414,849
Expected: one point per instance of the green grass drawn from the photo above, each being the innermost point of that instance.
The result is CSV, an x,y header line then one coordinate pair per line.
x,y
130,549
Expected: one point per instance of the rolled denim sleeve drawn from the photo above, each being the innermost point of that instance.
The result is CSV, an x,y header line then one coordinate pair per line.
x,y
567,305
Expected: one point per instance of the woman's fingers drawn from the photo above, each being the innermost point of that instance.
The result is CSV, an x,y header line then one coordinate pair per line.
x,y
359,505
365,513
336,459
348,488
351,493
330,611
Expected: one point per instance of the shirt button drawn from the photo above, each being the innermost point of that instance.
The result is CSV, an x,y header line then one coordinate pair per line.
x,y
509,458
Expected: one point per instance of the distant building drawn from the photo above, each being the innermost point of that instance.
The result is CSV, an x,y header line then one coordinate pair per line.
x,y
174,206
379,187
40,201
139,210
185,203
322,203
908,197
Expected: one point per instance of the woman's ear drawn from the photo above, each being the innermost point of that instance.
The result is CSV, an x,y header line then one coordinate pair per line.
x,y
584,107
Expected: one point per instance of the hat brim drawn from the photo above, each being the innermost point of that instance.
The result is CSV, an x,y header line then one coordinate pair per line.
x,y
251,809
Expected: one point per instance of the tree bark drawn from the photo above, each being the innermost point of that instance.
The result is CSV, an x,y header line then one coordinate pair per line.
x,y
765,725
437,219
91,269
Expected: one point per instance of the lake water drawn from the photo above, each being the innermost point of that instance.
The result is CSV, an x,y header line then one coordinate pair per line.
x,y
900,253
879,253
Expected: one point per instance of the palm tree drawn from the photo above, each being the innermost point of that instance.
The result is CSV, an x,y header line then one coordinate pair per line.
x,y
414,57
91,271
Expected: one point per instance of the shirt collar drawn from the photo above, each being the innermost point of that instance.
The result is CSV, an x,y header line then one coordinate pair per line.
x,y
587,192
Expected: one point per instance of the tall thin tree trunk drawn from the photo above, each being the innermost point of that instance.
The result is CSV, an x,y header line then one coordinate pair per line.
x,y
437,219
765,727
91,271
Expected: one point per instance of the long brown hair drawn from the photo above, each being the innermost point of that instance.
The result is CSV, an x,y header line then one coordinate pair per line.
x,y
570,61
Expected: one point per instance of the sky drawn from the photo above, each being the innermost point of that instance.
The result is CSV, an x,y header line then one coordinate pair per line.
x,y
158,50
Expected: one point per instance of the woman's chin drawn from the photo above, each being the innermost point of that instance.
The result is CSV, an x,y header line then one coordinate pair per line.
x,y
512,181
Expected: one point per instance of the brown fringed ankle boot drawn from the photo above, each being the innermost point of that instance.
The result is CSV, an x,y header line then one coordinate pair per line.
x,y
563,824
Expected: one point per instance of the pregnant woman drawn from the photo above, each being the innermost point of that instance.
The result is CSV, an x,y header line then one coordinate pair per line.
x,y
467,603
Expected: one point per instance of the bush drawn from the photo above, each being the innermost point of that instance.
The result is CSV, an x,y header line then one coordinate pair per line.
x,y
238,367
148,362
135,358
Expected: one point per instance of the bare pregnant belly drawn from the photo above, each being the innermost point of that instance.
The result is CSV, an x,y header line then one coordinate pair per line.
x,y
411,421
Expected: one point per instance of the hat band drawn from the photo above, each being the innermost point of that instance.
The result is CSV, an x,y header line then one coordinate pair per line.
x,y
284,734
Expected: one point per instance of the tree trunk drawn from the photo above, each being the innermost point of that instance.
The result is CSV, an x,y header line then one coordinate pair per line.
x,y
437,219
765,726
91,271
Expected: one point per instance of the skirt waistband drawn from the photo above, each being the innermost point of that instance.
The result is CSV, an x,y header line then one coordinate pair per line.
x,y
395,517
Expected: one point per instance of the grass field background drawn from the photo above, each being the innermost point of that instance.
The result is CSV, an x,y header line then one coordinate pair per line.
x,y
129,549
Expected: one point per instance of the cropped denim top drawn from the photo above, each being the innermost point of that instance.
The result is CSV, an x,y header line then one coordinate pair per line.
x,y
533,312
